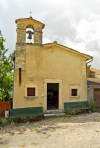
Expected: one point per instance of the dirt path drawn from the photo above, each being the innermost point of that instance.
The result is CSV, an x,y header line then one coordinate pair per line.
x,y
81,131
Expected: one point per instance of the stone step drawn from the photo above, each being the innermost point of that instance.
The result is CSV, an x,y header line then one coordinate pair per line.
x,y
57,111
60,114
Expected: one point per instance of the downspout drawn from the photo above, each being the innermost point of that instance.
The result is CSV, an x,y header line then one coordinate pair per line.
x,y
87,63
90,60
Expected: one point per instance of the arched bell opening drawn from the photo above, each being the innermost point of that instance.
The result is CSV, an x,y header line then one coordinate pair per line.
x,y
29,35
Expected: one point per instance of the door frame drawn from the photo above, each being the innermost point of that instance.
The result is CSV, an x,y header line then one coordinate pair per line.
x,y
60,92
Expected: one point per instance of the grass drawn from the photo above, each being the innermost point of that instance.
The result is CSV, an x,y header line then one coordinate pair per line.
x,y
38,118
54,117
32,119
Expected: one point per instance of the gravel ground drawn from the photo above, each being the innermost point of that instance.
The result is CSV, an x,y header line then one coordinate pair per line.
x,y
81,131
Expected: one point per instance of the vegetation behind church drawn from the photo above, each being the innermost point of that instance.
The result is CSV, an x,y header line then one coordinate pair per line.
x,y
6,73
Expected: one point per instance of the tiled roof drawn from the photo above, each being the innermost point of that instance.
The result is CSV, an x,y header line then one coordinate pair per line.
x,y
93,81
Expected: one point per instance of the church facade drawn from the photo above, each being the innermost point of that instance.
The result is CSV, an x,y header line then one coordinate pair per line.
x,y
46,75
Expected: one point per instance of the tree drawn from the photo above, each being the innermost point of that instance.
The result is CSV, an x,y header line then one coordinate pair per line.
x,y
6,72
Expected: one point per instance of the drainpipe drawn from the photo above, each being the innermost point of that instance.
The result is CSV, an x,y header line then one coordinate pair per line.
x,y
87,63
86,71
90,60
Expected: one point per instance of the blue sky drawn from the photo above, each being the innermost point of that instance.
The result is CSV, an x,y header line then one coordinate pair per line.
x,y
72,23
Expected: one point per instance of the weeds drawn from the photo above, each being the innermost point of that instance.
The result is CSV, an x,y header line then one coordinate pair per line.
x,y
79,106
8,120
17,120
68,112
74,113
85,105
0,123
54,117
93,106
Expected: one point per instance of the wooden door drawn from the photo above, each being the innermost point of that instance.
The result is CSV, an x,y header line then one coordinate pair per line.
x,y
97,96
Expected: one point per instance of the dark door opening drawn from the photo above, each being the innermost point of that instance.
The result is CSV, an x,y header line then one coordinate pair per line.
x,y
52,96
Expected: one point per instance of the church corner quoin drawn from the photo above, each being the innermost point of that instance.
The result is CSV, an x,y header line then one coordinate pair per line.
x,y
46,75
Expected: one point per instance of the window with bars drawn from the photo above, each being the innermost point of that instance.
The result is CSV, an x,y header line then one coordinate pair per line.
x,y
74,92
30,91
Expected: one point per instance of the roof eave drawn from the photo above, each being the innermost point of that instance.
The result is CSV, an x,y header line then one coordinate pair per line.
x,y
30,18
88,57
93,85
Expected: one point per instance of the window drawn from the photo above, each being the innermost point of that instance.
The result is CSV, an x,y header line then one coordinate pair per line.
x,y
74,92
19,75
30,91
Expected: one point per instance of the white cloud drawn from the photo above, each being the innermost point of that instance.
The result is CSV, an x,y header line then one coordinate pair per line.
x,y
89,30
4,4
73,23
46,40
77,46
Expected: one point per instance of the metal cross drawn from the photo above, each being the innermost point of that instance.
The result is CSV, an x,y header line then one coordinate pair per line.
x,y
30,13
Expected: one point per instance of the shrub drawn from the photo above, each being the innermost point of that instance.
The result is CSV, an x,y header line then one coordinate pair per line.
x,y
0,122
94,106
17,120
68,112
8,120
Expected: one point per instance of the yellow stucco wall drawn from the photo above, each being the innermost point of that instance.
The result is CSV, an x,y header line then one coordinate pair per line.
x,y
50,64
42,64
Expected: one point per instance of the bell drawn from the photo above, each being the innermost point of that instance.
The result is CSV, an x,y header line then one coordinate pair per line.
x,y
30,36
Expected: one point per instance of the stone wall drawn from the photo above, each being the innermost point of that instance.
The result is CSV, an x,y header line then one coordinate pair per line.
x,y
22,24
90,96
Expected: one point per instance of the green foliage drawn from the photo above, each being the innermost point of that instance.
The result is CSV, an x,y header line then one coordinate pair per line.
x,y
8,120
85,105
79,105
6,73
0,122
93,106
91,76
83,111
17,120
68,112
74,113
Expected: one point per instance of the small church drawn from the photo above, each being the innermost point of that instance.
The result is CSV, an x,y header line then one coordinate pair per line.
x,y
46,75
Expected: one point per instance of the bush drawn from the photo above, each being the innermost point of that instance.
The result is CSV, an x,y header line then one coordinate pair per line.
x,y
8,120
0,122
68,112
17,120
94,106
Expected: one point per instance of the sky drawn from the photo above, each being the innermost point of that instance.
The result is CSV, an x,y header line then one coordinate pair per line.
x,y
72,23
